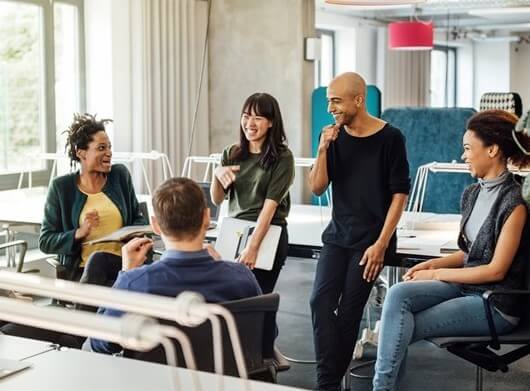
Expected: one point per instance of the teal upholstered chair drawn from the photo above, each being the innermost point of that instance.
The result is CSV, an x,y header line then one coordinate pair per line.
x,y
434,135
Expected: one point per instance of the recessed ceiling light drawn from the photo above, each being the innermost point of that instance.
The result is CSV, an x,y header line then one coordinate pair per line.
x,y
379,7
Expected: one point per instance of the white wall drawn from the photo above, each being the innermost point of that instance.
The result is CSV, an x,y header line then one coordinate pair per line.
x,y
520,72
491,68
366,53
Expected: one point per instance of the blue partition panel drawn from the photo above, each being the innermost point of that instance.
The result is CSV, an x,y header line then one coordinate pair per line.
x,y
320,116
434,134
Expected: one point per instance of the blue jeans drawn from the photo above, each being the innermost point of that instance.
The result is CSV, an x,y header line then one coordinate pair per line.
x,y
417,310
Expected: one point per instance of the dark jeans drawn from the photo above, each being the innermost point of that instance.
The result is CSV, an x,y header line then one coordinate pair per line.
x,y
337,303
101,269
267,278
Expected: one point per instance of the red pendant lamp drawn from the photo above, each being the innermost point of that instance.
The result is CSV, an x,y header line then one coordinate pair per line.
x,y
411,35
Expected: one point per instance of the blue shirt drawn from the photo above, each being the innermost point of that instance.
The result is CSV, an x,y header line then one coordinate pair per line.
x,y
179,271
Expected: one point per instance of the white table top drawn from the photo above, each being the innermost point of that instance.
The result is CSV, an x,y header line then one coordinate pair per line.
x,y
23,207
80,371
419,233
15,348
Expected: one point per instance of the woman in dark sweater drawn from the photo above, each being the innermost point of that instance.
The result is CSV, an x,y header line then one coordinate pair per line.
x,y
442,296
88,204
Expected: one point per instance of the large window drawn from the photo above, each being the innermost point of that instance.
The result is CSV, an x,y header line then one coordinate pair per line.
x,y
443,77
325,68
68,56
41,81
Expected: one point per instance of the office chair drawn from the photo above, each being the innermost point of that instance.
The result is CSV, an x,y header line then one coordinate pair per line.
x,y
480,350
23,245
255,318
508,101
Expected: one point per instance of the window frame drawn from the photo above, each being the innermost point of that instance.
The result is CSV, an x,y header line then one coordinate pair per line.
x,y
41,177
447,50
319,32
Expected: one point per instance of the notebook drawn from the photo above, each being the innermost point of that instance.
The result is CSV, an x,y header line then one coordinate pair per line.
x,y
124,234
234,235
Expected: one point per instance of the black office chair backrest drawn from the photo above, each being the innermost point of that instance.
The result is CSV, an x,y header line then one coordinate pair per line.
x,y
507,101
255,318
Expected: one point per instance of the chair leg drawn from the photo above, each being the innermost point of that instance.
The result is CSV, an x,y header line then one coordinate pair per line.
x,y
346,380
478,379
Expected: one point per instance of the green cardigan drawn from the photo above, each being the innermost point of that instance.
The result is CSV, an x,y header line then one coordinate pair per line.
x,y
64,204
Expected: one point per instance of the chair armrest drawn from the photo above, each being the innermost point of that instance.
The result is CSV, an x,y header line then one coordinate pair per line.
x,y
23,248
486,297
52,261
60,270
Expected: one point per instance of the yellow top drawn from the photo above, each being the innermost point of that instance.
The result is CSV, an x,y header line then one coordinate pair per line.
x,y
109,221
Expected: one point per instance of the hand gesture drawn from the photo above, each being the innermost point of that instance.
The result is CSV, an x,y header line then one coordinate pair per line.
x,y
134,253
329,134
426,265
248,257
226,175
373,258
91,220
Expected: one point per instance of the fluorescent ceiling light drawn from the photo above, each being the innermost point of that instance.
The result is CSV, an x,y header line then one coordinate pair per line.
x,y
509,38
500,11
369,3
379,7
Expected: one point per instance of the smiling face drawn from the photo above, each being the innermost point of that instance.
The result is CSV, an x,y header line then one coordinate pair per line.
x,y
255,126
98,155
344,101
478,157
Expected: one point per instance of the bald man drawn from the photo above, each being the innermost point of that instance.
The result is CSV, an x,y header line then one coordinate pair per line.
x,y
364,159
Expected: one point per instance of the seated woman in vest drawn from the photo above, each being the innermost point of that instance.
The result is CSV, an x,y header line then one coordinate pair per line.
x,y
442,296
88,204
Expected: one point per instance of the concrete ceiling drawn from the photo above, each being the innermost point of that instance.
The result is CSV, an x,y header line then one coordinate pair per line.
x,y
510,16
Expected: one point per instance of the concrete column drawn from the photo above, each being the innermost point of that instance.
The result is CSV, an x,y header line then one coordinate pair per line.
x,y
519,75
258,46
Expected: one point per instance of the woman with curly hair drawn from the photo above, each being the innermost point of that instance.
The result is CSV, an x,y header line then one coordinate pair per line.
x,y
442,297
88,204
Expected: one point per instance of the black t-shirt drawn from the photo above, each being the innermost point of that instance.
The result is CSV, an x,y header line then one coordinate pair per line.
x,y
364,173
